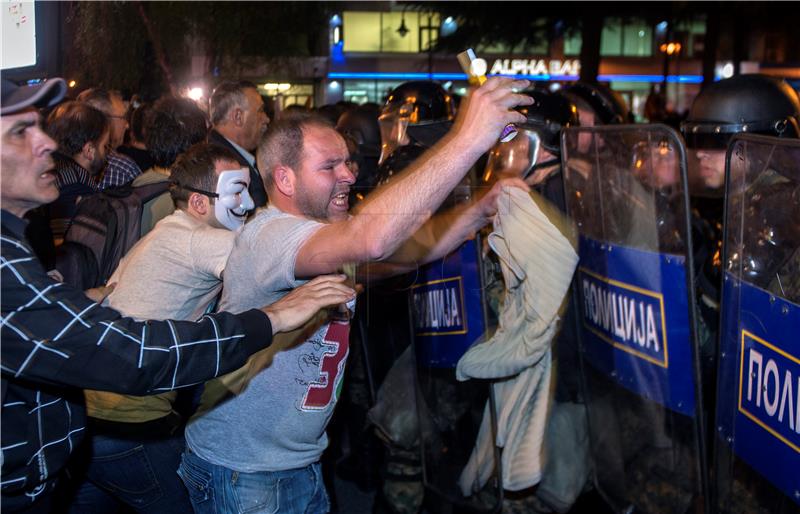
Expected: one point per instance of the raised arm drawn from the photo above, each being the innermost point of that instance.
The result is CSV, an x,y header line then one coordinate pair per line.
x,y
393,213
444,232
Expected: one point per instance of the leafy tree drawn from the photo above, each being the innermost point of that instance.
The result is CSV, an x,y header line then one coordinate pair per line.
x,y
149,44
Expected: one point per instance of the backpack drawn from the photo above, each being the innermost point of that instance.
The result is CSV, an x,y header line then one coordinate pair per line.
x,y
105,226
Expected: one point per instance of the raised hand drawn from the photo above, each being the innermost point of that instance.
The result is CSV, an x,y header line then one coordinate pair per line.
x,y
300,305
488,109
488,205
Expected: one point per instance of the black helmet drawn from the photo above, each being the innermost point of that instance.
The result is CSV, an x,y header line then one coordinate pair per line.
x,y
744,103
521,156
417,111
608,106
428,102
547,116
361,124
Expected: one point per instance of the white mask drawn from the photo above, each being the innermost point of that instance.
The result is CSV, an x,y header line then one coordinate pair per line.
x,y
233,198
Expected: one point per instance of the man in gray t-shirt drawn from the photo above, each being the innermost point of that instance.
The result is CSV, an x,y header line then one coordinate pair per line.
x,y
257,440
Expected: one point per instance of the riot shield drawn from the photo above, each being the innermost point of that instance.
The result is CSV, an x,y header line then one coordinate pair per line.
x,y
625,188
449,314
757,444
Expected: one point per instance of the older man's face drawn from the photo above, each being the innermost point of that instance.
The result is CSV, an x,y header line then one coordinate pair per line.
x,y
27,168
118,121
255,120
324,179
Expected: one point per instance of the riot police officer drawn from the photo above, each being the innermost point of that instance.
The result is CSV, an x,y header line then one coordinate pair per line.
x,y
416,115
745,103
597,104
756,104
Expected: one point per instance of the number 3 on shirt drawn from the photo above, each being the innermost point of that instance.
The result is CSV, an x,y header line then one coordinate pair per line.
x,y
325,391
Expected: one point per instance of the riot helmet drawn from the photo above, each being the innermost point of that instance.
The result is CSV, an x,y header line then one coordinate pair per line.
x,y
417,111
360,126
744,103
597,104
538,141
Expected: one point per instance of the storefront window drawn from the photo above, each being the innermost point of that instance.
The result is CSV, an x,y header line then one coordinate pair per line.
x,y
629,38
572,43
637,40
377,31
692,37
391,41
363,91
289,94
611,37
362,31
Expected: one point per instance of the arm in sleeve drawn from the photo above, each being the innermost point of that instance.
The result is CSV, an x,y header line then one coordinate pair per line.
x,y
53,333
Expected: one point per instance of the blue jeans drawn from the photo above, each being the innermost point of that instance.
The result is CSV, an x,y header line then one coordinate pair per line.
x,y
218,490
140,474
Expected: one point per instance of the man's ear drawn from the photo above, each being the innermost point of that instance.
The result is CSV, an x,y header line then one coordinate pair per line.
x,y
88,151
199,203
237,115
284,179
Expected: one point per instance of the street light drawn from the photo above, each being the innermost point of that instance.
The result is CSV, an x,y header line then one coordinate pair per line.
x,y
670,48
403,30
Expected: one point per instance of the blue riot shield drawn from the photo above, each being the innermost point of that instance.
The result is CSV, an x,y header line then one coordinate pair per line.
x,y
449,314
757,444
625,187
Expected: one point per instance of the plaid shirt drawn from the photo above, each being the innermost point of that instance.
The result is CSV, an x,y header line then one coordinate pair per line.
x,y
120,169
55,341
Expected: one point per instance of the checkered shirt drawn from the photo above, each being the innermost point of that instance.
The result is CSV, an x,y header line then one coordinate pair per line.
x,y
120,169
55,341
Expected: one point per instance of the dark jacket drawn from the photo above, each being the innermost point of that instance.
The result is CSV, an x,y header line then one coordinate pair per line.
x,y
55,342
256,189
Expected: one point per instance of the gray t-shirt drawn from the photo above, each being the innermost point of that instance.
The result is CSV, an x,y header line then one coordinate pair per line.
x,y
276,418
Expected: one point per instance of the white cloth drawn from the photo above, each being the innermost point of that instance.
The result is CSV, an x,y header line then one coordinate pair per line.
x,y
537,262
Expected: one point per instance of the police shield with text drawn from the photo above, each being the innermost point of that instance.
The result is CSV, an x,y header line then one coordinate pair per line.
x,y
757,443
625,188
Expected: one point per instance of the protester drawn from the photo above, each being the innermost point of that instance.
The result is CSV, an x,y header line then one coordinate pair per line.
x,y
256,442
175,272
82,134
136,147
120,169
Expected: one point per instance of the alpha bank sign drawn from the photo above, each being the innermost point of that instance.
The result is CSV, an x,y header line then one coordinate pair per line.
x,y
557,67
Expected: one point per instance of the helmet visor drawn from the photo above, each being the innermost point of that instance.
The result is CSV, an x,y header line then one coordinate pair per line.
x,y
394,129
514,158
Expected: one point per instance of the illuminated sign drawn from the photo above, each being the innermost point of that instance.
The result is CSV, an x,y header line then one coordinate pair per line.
x,y
569,67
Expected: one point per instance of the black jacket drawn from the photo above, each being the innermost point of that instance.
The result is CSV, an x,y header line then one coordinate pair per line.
x,y
256,189
55,342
